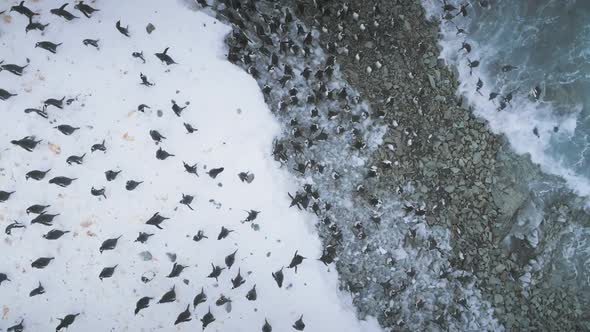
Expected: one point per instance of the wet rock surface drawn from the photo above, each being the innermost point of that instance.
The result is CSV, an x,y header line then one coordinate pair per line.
x,y
432,222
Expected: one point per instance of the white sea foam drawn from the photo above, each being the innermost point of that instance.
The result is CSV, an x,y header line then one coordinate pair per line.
x,y
522,115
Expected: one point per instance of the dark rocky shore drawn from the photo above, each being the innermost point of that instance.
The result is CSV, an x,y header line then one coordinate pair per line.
x,y
440,175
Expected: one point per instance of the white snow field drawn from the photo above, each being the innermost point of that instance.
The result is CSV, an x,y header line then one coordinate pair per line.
x,y
235,130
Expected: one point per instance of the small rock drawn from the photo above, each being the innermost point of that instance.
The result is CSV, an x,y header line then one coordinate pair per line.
x,y
431,80
450,189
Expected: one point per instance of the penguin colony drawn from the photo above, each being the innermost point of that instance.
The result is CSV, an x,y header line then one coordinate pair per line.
x,y
387,251
44,215
330,133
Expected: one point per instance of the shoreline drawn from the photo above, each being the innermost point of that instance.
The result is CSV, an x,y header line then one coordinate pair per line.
x,y
478,196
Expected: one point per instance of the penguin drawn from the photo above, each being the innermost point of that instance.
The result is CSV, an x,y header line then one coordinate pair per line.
x,y
75,159
163,154
299,325
107,272
465,46
37,209
184,316
164,57
3,278
122,30
478,86
62,181
143,237
111,175
200,235
17,328
278,277
535,93
98,147
192,169
66,321
472,64
177,109
142,107
85,9
14,69
142,303
36,174
138,55
536,132
169,296
176,270
295,261
54,234
35,26
132,184
222,300
5,95
246,177
508,97
223,233
59,103
41,113
98,192
215,272
306,73
62,12
460,31
5,195
252,215
48,46
266,327
199,298
156,220
66,129
91,42
463,10
508,68
237,281
44,219
207,319
187,200
327,256
251,295
156,136
255,73
28,143
189,128
22,9
214,172
230,259
145,81
42,262
109,244
15,224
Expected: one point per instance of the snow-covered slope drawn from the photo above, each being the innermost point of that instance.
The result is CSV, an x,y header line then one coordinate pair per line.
x,y
234,131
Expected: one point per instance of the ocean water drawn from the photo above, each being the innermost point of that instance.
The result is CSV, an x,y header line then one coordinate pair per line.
x,y
535,55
